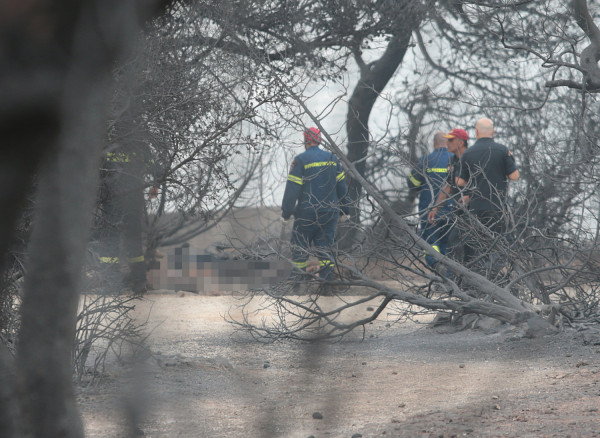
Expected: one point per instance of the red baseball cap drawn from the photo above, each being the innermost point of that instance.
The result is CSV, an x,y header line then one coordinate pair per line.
x,y
458,133
312,134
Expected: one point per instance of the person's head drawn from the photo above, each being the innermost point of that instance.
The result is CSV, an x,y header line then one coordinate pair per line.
x,y
312,137
457,140
484,128
438,140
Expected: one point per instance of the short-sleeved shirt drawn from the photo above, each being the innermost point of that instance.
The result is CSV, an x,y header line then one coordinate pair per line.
x,y
453,173
486,166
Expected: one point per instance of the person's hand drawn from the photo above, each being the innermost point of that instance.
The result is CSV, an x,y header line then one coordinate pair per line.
x,y
343,218
432,214
284,221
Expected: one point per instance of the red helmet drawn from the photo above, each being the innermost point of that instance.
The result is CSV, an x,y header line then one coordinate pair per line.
x,y
312,134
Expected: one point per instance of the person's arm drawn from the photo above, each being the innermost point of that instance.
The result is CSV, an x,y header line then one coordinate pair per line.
x,y
512,170
293,188
443,194
341,189
415,178
465,196
463,177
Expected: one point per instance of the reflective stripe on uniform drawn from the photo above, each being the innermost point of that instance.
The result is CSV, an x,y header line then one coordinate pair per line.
x,y
326,263
136,259
300,265
295,179
437,248
109,259
414,180
341,176
320,164
117,157
437,169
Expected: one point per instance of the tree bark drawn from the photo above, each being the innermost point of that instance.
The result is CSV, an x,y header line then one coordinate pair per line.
x,y
373,79
589,57
54,89
65,198
591,54
49,310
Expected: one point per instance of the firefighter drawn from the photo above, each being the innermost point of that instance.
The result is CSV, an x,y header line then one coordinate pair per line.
x,y
314,194
122,206
427,177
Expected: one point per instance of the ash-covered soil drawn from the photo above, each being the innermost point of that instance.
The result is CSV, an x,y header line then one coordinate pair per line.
x,y
203,379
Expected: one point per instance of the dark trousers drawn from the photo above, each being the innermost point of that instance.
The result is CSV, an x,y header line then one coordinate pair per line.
x,y
475,248
317,231
455,248
436,235
120,235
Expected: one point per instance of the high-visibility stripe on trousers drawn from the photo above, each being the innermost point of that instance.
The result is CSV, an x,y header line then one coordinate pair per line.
x,y
315,235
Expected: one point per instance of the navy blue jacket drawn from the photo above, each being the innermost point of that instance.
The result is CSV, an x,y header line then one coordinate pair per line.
x,y
316,184
428,177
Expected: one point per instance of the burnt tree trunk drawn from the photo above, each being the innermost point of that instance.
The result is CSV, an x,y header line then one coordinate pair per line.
x,y
373,79
56,69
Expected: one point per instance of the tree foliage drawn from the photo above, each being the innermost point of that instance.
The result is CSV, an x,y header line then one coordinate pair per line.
x,y
548,262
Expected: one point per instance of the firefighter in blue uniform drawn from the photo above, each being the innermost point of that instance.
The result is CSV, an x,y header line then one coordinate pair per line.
x,y
427,177
122,211
314,194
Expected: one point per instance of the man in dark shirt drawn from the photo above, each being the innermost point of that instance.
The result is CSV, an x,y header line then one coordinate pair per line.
x,y
486,168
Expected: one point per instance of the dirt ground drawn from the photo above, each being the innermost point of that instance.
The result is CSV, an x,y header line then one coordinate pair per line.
x,y
203,379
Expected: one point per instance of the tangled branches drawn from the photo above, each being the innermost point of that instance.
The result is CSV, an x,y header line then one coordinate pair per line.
x,y
105,325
